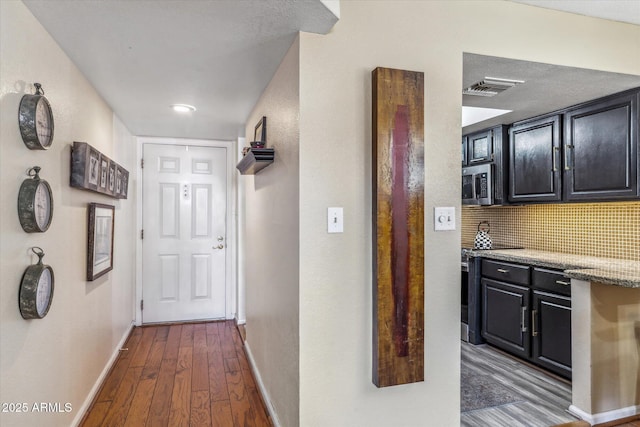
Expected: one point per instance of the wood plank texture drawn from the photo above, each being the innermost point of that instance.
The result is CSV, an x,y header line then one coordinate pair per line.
x,y
544,398
180,375
398,226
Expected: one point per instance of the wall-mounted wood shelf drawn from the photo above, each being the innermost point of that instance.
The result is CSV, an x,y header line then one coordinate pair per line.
x,y
255,160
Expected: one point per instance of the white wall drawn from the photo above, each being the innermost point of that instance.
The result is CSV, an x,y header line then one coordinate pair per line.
x,y
271,235
57,359
335,146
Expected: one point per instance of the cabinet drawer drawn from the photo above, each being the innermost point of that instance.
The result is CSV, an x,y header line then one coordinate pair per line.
x,y
507,272
552,281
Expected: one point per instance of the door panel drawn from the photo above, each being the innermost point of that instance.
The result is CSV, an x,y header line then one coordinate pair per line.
x,y
534,161
551,331
504,316
601,150
184,222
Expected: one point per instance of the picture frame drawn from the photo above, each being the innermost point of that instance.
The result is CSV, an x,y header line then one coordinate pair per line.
x,y
112,179
101,222
104,172
260,133
124,184
91,170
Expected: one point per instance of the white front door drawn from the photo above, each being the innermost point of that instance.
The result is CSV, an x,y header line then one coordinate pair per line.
x,y
184,205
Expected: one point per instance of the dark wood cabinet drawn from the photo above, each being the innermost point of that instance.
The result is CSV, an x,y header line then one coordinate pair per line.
x,y
480,147
601,149
551,320
527,312
551,332
534,160
464,151
504,316
489,146
483,146
588,152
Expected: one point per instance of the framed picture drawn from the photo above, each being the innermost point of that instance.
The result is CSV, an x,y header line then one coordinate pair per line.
x,y
118,181
112,178
91,170
104,170
124,184
100,240
260,133
94,168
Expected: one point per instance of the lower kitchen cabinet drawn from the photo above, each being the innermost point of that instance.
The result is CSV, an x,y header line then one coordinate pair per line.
x,y
526,311
551,332
504,320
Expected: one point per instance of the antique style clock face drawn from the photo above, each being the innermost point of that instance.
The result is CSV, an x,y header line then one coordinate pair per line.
x,y
42,207
36,289
43,293
35,203
35,119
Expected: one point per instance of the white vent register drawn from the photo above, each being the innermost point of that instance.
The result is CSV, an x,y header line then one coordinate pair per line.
x,y
491,86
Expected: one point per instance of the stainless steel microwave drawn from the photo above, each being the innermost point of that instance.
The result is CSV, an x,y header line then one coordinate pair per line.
x,y
477,185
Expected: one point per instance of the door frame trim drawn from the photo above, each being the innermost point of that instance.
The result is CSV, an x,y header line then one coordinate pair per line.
x,y
231,263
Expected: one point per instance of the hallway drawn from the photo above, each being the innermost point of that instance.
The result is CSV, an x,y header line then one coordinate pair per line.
x,y
180,375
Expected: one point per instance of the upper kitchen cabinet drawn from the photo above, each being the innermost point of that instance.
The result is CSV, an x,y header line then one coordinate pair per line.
x,y
479,147
601,149
484,146
534,160
488,147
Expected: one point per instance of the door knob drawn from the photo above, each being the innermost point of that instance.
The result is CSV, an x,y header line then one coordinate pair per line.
x,y
220,238
220,246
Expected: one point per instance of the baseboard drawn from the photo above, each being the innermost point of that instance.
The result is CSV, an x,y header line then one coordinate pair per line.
x,y
604,417
263,390
96,386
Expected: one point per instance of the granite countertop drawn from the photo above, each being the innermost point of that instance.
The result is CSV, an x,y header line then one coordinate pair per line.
x,y
610,271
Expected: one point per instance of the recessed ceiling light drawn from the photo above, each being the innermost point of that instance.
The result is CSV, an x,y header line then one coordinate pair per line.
x,y
183,108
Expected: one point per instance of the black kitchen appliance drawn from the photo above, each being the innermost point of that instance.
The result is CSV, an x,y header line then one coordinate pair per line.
x,y
477,185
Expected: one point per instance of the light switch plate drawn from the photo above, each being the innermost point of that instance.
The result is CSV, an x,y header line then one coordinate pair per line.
x,y
335,221
444,218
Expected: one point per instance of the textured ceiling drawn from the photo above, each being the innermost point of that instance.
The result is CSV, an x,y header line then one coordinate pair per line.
x,y
547,87
217,55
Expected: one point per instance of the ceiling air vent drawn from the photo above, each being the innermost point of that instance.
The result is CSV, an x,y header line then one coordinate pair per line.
x,y
490,86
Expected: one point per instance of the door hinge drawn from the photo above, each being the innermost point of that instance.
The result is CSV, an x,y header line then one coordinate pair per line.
x,y
142,163
141,234
141,304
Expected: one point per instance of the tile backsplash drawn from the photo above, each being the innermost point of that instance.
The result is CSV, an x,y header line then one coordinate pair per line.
x,y
610,230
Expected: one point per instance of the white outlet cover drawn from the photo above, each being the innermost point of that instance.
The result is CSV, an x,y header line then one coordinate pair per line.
x,y
444,218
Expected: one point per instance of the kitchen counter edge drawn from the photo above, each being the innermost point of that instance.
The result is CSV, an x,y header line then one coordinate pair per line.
x,y
608,271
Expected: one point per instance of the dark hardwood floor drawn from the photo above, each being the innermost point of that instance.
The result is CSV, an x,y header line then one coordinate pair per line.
x,y
193,374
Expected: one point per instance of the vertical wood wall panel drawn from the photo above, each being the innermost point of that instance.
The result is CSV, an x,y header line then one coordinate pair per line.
x,y
398,226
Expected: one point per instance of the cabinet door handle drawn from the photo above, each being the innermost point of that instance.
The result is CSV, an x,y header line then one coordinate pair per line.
x,y
562,282
567,147
534,313
502,270
523,326
554,158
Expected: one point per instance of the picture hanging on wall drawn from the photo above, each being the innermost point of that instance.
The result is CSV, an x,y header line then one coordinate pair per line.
x,y
100,240
260,134
91,170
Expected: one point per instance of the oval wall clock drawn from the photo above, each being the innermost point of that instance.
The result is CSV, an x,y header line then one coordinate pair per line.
x,y
36,288
35,120
35,203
